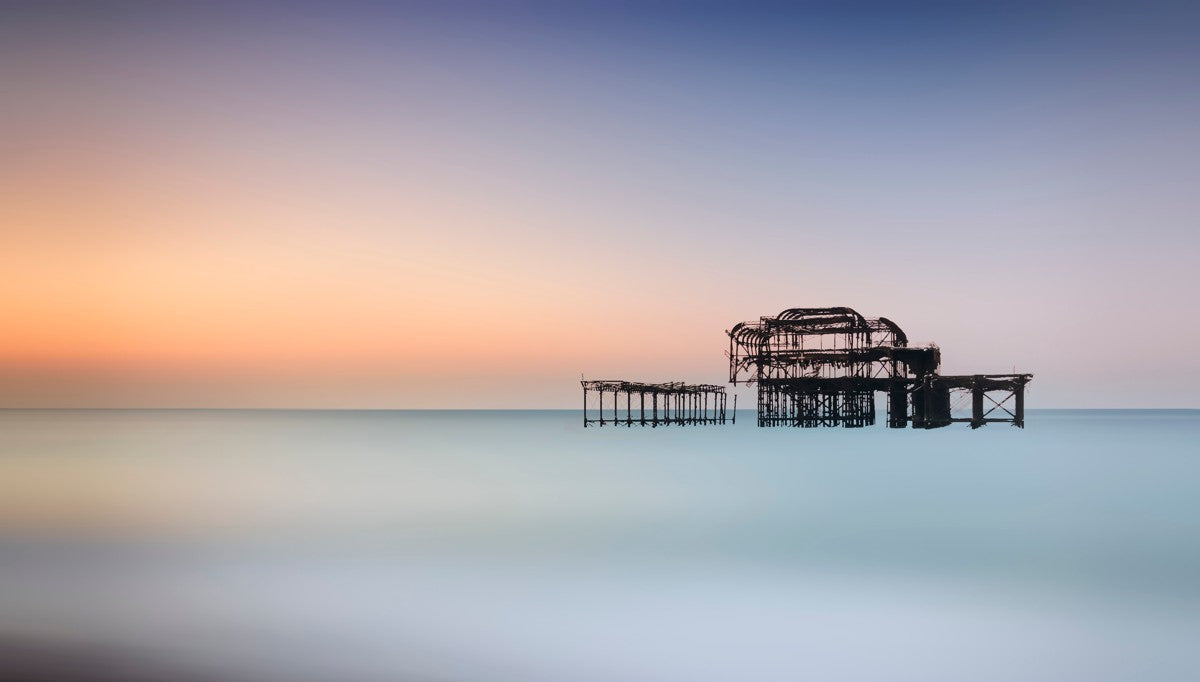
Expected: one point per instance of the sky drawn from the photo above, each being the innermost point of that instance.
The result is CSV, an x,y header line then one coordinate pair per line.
x,y
470,205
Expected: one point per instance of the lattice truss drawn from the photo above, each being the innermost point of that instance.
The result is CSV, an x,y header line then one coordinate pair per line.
x,y
629,403
822,367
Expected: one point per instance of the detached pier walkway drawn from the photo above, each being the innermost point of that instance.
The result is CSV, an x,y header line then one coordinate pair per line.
x,y
653,404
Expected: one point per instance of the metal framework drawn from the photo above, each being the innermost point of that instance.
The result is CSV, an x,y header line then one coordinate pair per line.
x,y
653,404
822,367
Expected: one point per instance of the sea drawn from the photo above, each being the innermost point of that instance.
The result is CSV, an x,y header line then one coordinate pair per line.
x,y
490,546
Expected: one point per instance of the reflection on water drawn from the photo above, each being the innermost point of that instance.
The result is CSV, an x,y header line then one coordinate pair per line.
x,y
516,546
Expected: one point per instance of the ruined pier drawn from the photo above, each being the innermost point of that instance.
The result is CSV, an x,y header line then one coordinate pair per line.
x,y
652,404
823,366
817,367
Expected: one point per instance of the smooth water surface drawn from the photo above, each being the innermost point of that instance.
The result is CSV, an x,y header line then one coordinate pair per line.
x,y
492,546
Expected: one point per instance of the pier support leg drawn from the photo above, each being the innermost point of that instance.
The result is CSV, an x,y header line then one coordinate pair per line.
x,y
976,405
1019,406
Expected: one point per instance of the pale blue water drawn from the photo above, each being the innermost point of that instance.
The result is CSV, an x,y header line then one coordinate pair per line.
x,y
264,545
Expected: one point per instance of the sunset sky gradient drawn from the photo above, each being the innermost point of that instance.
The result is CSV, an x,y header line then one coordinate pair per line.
x,y
467,205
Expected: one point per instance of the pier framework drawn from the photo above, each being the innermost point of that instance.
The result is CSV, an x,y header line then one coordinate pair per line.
x,y
631,403
822,367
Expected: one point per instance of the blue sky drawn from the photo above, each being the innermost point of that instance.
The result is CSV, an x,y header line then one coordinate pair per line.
x,y
602,187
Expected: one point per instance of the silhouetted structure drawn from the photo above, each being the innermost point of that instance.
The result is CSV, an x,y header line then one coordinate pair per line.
x,y
822,367
653,404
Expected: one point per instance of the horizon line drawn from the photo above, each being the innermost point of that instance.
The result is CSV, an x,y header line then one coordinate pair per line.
x,y
471,409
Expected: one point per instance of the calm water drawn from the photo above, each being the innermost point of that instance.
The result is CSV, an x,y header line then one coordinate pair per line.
x,y
497,546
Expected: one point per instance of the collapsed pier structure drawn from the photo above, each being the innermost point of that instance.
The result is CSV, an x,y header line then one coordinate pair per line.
x,y
629,402
822,367
819,367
